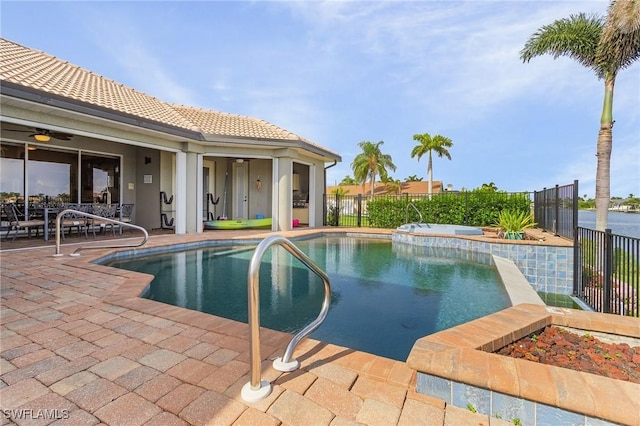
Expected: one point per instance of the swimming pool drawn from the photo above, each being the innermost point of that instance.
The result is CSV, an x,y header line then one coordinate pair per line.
x,y
384,296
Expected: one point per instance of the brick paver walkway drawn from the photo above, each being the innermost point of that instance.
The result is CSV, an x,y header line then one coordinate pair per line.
x,y
74,351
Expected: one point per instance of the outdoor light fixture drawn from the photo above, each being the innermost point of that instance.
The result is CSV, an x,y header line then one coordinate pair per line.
x,y
40,137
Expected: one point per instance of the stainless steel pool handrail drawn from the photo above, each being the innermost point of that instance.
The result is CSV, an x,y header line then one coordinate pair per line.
x,y
406,213
102,218
257,389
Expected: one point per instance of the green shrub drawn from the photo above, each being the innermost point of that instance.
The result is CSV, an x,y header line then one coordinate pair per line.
x,y
474,208
513,222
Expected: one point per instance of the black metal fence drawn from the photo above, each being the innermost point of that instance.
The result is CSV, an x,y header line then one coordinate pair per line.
x,y
556,209
607,271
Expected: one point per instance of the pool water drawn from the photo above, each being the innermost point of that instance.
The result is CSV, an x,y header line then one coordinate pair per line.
x,y
559,300
384,296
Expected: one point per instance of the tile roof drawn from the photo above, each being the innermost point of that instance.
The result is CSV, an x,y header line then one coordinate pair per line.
x,y
226,124
38,70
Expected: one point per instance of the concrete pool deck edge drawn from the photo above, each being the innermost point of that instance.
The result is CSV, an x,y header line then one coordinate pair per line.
x,y
462,357
46,297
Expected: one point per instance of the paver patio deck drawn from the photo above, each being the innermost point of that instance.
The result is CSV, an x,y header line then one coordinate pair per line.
x,y
76,341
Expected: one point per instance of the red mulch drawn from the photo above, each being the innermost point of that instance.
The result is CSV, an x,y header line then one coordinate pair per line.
x,y
562,348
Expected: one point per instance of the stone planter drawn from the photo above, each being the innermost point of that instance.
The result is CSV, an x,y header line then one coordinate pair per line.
x,y
458,365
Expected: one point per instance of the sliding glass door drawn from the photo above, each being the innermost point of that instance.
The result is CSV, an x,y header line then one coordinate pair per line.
x,y
38,174
52,176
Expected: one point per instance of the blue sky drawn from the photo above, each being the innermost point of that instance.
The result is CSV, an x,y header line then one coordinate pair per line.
x,y
339,73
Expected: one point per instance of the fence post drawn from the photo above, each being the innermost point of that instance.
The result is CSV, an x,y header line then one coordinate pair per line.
x,y
546,208
574,225
556,209
577,263
536,215
359,210
466,208
607,271
324,209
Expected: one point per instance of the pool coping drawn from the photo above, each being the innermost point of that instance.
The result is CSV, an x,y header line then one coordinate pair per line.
x,y
516,285
464,355
131,293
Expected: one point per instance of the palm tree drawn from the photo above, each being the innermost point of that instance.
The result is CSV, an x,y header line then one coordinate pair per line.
x,y
491,187
338,191
427,144
348,180
371,162
394,186
606,46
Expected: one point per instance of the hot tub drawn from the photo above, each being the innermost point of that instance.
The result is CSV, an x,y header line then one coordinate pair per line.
x,y
426,228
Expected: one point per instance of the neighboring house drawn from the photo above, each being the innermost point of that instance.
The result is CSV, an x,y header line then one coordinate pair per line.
x,y
112,143
349,204
381,188
625,205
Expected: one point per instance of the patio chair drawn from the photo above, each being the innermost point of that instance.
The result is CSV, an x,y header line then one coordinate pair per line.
x,y
126,210
72,220
107,211
16,223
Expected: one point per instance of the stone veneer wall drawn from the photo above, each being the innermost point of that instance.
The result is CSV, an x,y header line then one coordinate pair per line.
x,y
548,269
499,405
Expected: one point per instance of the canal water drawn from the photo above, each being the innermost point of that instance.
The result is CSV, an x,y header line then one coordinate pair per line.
x,y
627,224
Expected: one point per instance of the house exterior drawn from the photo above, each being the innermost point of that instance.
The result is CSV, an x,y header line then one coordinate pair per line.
x,y
380,188
68,134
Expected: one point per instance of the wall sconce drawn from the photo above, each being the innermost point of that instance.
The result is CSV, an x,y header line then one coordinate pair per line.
x,y
147,160
258,184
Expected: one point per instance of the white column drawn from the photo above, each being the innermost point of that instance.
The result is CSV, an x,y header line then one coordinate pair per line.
x,y
313,198
199,193
285,194
181,193
275,191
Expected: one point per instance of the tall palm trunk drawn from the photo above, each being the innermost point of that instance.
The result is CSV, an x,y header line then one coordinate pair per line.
x,y
430,174
373,182
603,152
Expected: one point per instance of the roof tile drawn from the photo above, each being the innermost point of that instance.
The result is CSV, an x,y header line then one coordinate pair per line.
x,y
38,70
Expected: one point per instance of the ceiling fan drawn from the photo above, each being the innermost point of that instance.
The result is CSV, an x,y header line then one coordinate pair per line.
x,y
44,135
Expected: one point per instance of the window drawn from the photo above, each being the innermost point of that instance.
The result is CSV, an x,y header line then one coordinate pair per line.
x,y
100,179
52,176
12,173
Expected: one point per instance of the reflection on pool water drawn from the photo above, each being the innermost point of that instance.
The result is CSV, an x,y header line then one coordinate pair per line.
x,y
559,300
384,296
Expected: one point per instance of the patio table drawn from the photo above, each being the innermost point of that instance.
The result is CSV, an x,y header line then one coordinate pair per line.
x,y
48,214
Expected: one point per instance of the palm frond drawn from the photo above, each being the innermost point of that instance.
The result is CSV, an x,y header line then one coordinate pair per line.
x,y
575,37
619,45
624,15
